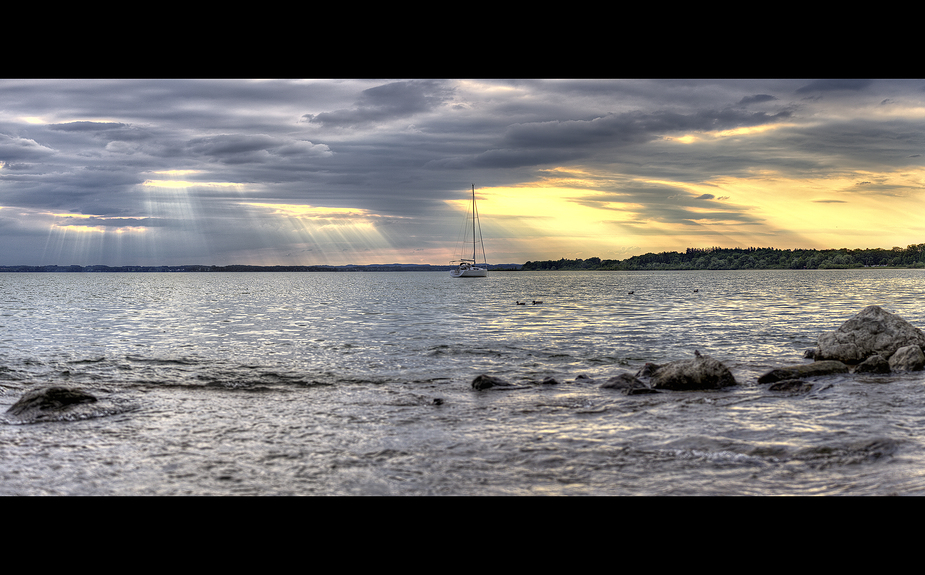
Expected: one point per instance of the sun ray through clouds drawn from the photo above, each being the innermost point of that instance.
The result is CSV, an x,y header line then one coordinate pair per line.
x,y
312,234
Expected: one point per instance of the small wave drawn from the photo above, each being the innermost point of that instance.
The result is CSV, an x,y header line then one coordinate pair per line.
x,y
88,360
716,456
163,361
866,451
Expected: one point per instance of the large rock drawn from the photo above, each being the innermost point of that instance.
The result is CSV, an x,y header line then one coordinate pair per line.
x,y
871,332
702,372
815,369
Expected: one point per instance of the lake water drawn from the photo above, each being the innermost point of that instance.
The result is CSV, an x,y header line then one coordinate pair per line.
x,y
360,384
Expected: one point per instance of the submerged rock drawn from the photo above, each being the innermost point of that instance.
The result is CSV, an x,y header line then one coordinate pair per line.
x,y
792,386
488,381
49,403
872,331
638,390
702,372
815,369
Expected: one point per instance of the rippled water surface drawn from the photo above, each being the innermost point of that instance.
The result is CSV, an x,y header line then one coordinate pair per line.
x,y
359,383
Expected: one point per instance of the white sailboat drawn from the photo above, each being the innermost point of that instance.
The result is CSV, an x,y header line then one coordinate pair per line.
x,y
468,268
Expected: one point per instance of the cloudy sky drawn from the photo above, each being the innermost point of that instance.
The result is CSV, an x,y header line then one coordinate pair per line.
x,y
306,172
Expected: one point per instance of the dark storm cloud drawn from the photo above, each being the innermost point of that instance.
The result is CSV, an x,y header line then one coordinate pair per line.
x,y
15,149
632,128
243,148
513,157
857,143
387,102
756,99
563,140
658,203
831,85
86,126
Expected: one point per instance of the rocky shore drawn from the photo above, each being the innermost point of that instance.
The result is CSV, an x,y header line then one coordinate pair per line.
x,y
873,341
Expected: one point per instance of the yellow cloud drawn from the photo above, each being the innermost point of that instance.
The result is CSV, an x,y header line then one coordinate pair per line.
x,y
743,131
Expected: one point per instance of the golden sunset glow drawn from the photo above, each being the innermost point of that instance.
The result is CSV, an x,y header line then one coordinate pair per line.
x,y
743,131
767,208
748,130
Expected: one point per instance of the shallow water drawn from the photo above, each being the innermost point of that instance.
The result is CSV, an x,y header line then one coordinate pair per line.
x,y
359,383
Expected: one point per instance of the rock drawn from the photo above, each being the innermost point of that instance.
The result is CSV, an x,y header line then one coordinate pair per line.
x,y
550,381
871,332
815,369
702,372
623,381
48,403
791,385
909,358
488,381
873,364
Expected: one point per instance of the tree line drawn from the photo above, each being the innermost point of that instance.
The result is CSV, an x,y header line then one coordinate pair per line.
x,y
716,258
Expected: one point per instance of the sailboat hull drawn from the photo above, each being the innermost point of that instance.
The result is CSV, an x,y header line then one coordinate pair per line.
x,y
469,273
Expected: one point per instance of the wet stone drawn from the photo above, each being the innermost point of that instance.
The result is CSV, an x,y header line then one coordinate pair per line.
x,y
488,381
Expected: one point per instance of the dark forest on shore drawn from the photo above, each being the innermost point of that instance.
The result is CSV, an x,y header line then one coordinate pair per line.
x,y
715,258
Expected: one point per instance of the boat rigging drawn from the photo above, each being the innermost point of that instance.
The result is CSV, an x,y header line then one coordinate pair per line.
x,y
468,268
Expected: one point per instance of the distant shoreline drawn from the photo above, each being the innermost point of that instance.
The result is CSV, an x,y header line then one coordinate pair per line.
x,y
243,268
913,256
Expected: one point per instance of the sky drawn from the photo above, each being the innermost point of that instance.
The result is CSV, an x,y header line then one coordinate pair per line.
x,y
361,171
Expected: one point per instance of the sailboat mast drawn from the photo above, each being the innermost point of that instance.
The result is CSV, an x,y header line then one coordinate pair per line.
x,y
474,215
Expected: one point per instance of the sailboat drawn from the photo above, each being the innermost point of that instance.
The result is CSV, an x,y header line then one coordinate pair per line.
x,y
468,268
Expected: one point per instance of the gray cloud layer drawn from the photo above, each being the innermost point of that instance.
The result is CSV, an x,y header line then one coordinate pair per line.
x,y
399,148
